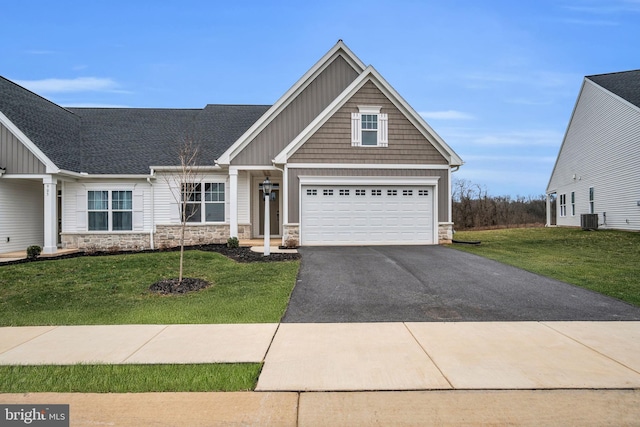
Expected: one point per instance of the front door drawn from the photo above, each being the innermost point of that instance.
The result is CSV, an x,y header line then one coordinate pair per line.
x,y
274,213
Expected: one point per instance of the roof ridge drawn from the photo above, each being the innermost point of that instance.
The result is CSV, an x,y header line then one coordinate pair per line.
x,y
612,73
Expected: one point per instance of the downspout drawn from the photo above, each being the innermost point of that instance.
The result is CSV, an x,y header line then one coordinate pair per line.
x,y
153,224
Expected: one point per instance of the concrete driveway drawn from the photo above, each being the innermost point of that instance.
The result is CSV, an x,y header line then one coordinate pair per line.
x,y
434,283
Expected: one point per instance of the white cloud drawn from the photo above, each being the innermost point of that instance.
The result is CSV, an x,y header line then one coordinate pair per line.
x,y
446,115
509,159
488,138
79,84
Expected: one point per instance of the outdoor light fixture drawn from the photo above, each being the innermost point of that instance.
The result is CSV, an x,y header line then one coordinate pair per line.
x,y
266,192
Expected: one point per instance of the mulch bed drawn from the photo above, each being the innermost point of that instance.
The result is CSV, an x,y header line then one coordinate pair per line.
x,y
245,254
242,254
173,286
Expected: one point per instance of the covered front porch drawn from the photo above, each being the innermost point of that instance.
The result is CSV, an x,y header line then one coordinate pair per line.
x,y
30,210
247,204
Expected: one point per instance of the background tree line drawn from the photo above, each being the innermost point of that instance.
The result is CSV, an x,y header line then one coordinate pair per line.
x,y
473,207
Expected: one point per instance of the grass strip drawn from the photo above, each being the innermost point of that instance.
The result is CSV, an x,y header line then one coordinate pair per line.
x,y
605,261
129,378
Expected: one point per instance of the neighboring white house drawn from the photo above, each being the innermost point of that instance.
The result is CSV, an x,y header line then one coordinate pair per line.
x,y
598,168
352,163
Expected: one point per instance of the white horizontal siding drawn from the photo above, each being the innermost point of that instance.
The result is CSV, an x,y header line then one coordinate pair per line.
x,y
72,212
601,150
21,214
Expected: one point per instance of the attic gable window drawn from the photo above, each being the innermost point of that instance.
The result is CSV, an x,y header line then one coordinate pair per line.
x,y
369,127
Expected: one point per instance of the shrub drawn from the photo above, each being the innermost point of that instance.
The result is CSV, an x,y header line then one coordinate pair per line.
x,y
233,242
91,249
291,243
33,252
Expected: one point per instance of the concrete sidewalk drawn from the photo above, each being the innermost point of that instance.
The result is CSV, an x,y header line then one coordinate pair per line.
x,y
367,409
360,356
357,374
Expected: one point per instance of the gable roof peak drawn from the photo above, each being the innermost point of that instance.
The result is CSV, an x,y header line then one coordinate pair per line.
x,y
625,84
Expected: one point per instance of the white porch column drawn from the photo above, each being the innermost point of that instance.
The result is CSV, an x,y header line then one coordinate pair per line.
x,y
233,202
50,215
548,224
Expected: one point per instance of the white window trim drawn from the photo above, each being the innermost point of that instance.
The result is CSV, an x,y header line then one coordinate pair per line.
x,y
573,203
562,200
203,203
356,126
110,209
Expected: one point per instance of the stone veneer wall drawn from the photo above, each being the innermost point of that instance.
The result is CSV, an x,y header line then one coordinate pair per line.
x,y
102,241
290,231
445,232
166,236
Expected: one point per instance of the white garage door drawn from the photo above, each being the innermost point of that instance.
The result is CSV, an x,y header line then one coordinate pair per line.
x,y
366,214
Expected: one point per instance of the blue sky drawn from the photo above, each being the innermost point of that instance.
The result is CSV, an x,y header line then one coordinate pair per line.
x,y
497,79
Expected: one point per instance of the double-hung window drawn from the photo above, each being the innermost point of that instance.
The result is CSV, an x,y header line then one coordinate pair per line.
x,y
573,203
203,202
214,202
369,128
563,205
110,210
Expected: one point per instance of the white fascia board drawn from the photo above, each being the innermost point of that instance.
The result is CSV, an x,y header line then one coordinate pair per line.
x,y
50,166
364,166
322,118
417,120
214,168
613,95
114,176
340,49
368,180
254,168
566,132
370,74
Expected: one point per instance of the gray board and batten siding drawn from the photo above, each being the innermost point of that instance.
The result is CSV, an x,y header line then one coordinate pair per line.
x,y
16,157
298,114
294,189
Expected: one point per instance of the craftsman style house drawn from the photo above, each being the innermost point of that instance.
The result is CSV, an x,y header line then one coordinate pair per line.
x,y
597,171
351,162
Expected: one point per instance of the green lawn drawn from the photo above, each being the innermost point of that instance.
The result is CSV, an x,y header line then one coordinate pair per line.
x,y
128,378
605,261
109,290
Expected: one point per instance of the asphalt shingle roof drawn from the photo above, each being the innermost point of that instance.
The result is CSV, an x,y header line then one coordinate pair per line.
x,y
52,128
123,140
625,84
